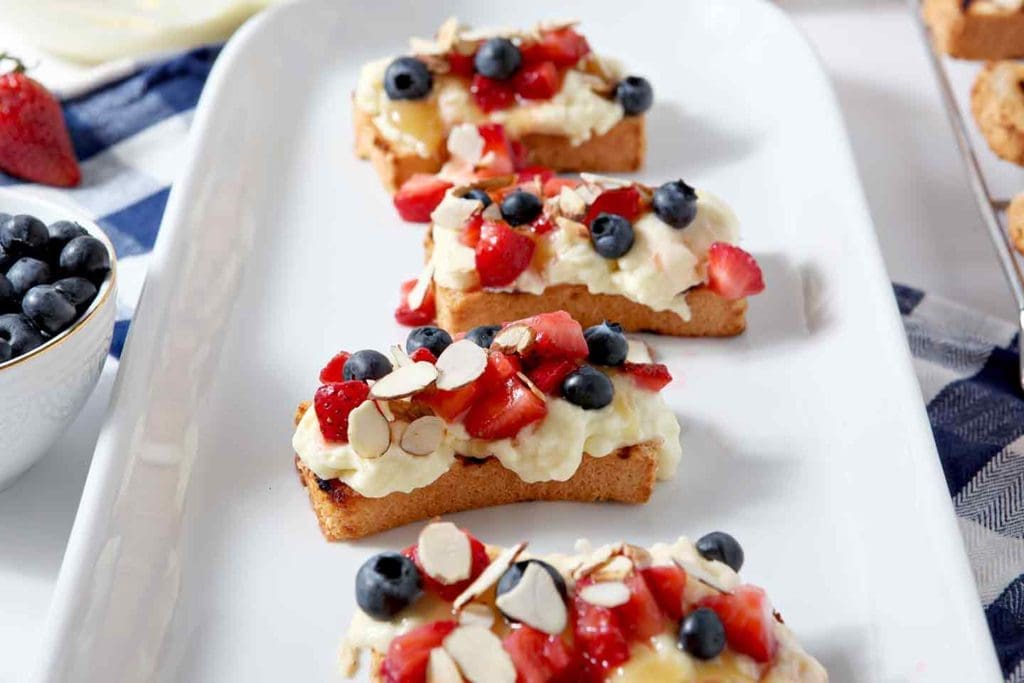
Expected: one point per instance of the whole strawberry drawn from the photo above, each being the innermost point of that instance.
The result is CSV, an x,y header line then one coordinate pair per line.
x,y
34,140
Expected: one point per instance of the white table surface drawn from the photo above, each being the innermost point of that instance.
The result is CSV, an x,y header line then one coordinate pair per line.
x,y
932,237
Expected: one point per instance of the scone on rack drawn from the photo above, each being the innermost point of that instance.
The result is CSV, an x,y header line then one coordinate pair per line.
x,y
977,29
997,102
1015,221
659,259
535,410
451,609
564,106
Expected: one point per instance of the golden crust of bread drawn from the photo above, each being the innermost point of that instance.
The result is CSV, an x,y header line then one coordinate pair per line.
x,y
619,150
973,34
1015,221
625,476
711,315
997,103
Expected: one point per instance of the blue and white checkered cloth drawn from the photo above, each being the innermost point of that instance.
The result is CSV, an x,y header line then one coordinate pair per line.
x,y
131,136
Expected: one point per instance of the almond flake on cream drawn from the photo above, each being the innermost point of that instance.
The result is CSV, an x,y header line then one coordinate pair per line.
x,y
444,552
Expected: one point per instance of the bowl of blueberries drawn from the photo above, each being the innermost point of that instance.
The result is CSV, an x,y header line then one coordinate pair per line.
x,y
57,308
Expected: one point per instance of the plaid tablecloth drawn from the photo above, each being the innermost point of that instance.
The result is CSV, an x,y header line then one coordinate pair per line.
x,y
131,136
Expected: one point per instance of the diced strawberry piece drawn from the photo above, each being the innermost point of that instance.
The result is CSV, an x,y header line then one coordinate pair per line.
x,y
564,46
624,201
649,376
408,654
732,272
334,370
333,402
520,155
424,315
490,94
502,254
496,144
460,64
553,186
470,235
479,561
500,368
539,657
501,413
548,374
599,638
557,335
542,225
747,617
418,196
450,404
423,354
667,584
530,172
640,618
537,81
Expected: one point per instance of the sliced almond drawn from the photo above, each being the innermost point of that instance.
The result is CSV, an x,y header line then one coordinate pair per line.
x,y
466,143
480,656
368,431
405,381
516,338
641,557
399,357
489,576
695,571
453,212
535,601
423,435
478,614
419,290
444,552
492,212
605,182
570,203
606,594
615,569
441,668
531,386
596,559
555,24
385,409
572,227
460,364
638,351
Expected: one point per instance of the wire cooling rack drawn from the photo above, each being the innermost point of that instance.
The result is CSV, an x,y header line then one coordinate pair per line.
x,y
992,181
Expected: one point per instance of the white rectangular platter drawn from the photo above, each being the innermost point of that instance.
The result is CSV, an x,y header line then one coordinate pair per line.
x,y
195,556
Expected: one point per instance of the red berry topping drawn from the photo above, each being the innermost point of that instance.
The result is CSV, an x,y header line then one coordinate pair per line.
x,y
667,585
500,368
501,412
539,657
640,618
333,402
490,94
649,376
449,405
564,47
732,272
542,225
599,638
747,617
557,335
450,591
502,254
553,186
332,372
622,201
548,374
527,174
460,64
497,144
424,315
520,155
538,81
418,196
424,354
408,654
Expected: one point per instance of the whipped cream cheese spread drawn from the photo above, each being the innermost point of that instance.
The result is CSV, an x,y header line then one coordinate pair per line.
x,y
659,660
550,449
657,271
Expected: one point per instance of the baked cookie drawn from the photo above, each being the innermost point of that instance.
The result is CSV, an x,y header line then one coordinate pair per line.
x,y
1015,221
451,609
977,29
563,106
997,101
533,411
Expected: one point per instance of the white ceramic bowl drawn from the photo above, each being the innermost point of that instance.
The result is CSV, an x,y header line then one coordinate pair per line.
x,y
42,391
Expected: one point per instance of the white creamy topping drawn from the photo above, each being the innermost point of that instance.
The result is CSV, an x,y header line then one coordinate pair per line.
x,y
662,264
550,449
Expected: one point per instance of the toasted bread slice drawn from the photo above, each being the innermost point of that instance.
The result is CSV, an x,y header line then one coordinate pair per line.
x,y
968,33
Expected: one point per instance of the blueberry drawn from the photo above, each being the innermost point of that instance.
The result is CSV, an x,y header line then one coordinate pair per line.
x,y
6,352
8,299
477,193
498,58
702,634
675,203
6,259
612,235
519,207
634,94
26,273
588,388
86,257
366,364
606,344
61,233
20,333
483,335
407,78
50,310
513,574
79,291
23,235
720,546
386,584
431,338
